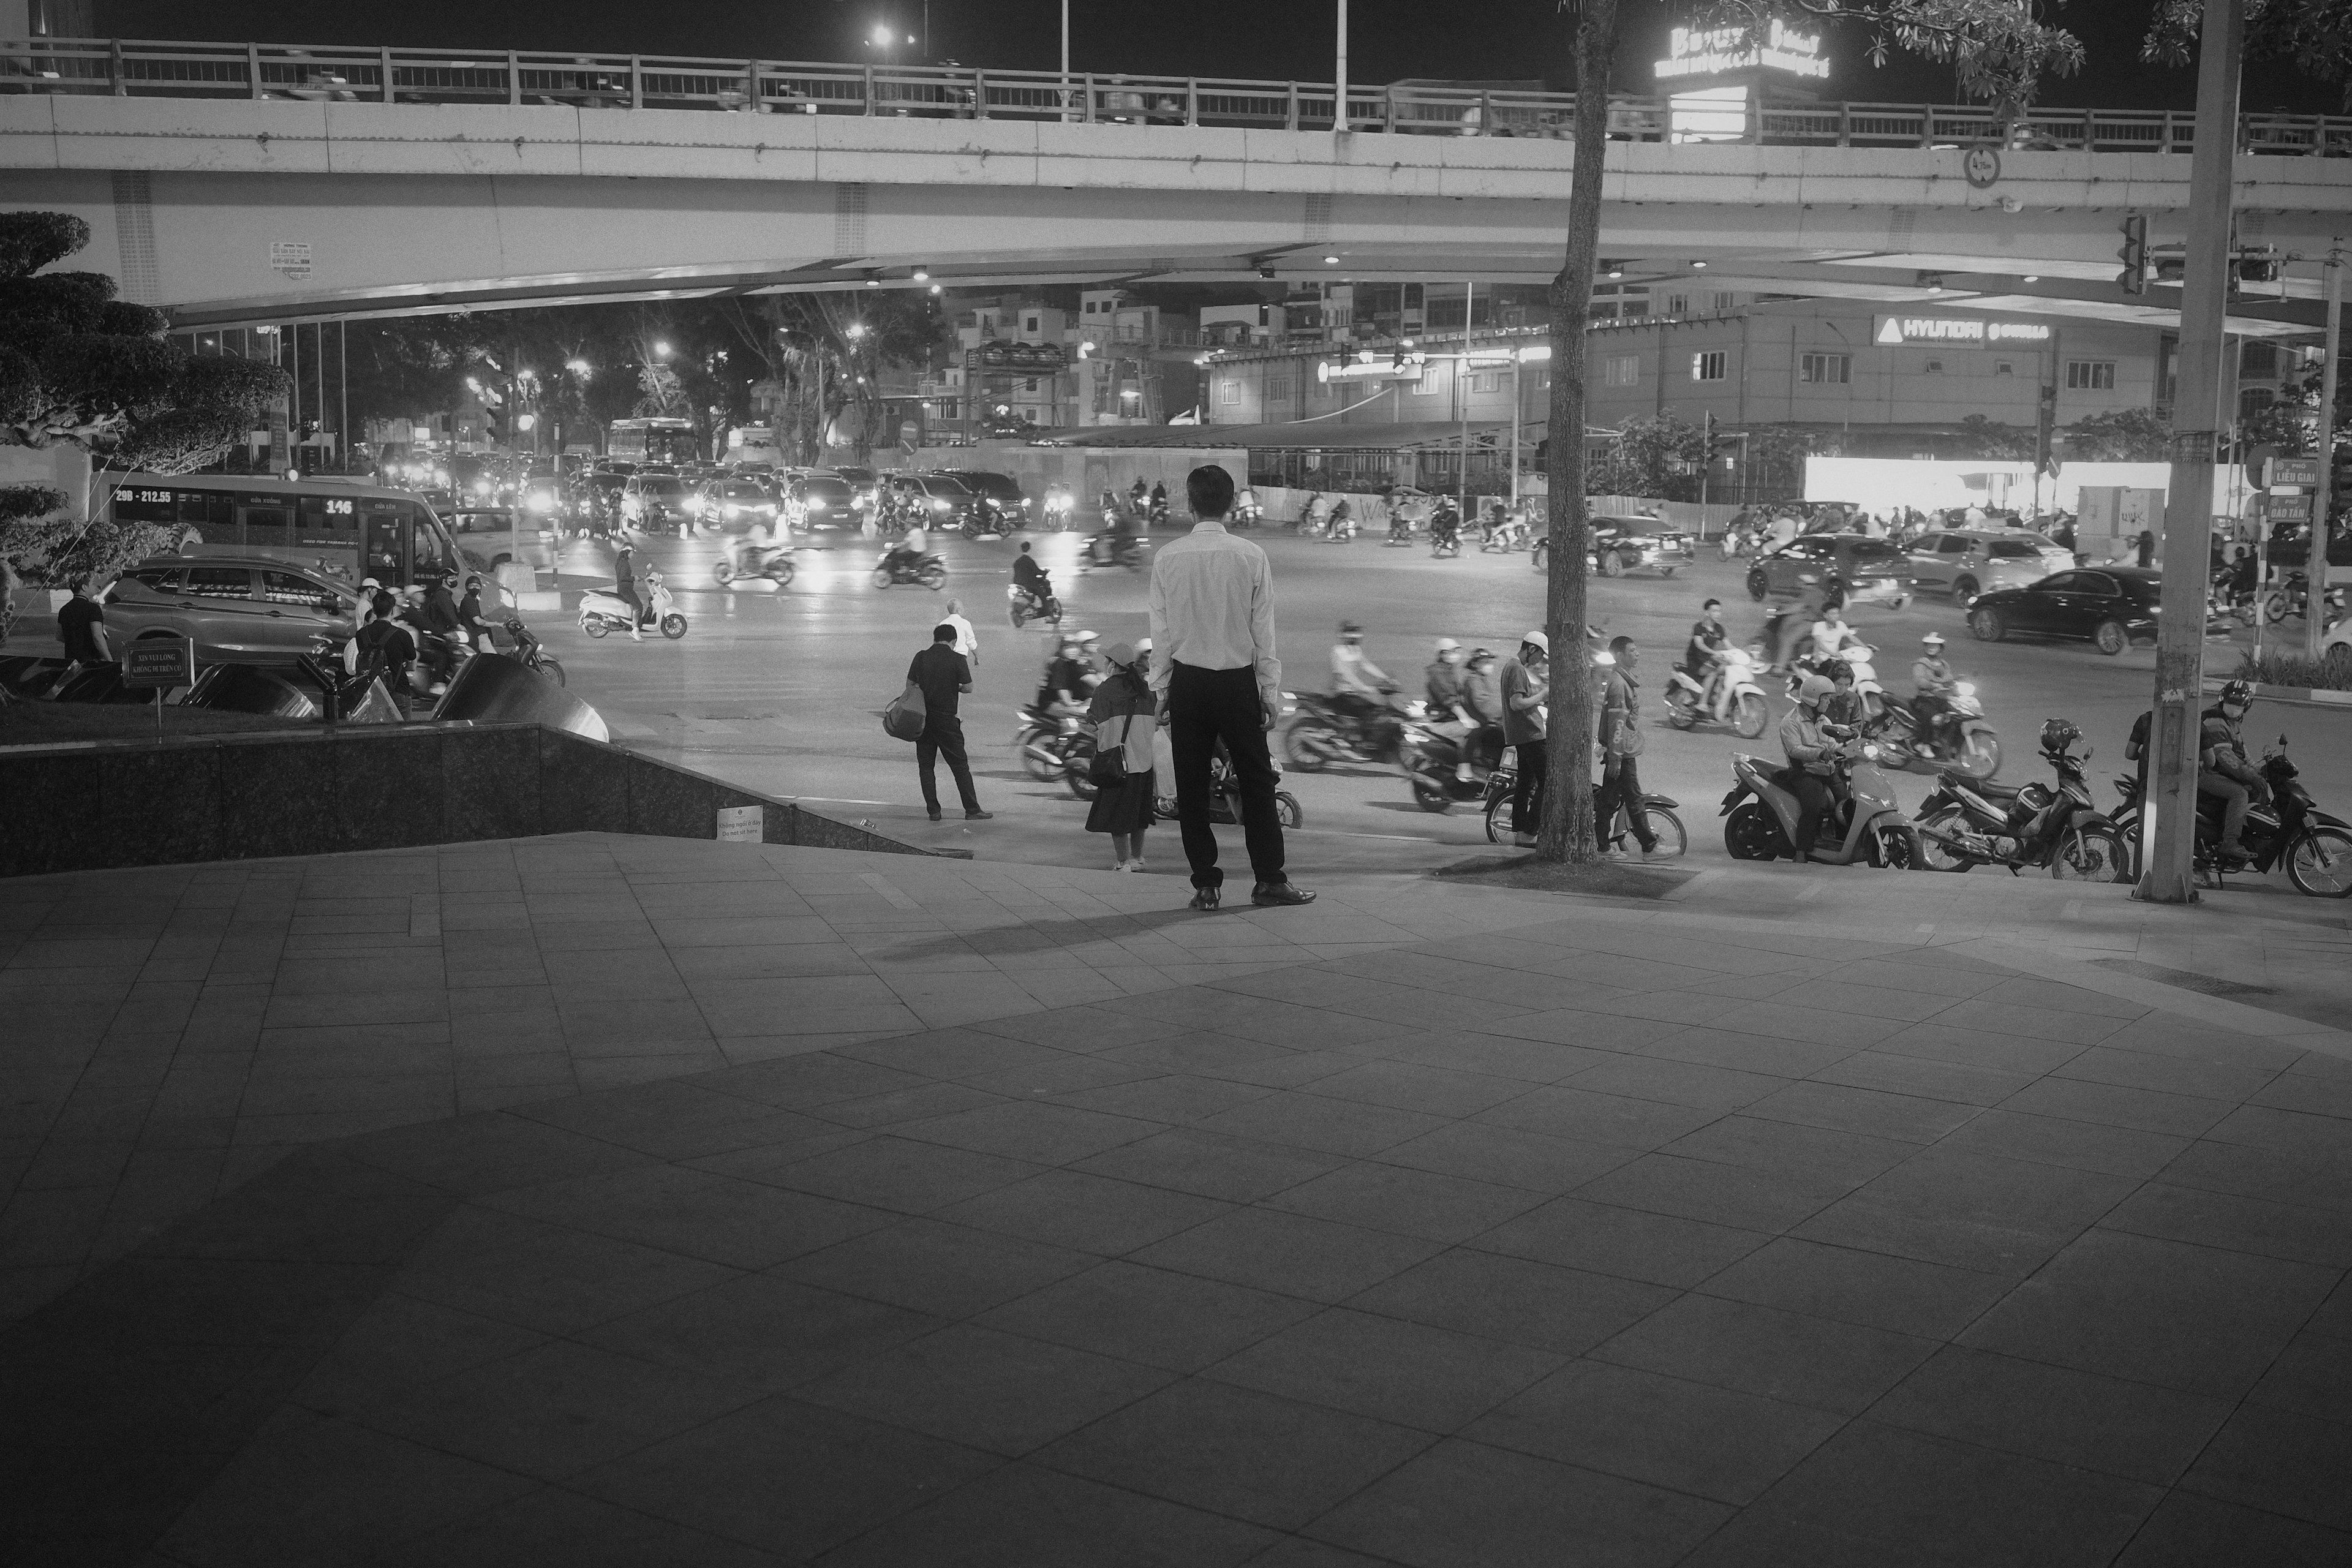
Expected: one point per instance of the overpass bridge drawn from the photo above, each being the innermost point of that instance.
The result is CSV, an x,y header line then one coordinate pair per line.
x,y
250,183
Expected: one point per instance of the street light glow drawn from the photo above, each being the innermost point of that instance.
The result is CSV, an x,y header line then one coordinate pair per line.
x,y
661,351
882,35
577,366
855,330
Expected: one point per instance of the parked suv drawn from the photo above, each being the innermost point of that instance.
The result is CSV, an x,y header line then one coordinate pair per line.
x,y
237,609
1001,488
1965,563
1868,571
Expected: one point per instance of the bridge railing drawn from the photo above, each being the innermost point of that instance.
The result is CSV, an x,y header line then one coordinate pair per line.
x,y
141,69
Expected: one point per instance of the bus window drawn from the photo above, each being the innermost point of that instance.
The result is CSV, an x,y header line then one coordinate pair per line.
x,y
269,526
386,535
208,512
429,551
329,520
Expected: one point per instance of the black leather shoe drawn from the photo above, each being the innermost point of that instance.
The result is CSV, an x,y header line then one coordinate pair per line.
x,y
935,817
1206,898
1271,893
980,816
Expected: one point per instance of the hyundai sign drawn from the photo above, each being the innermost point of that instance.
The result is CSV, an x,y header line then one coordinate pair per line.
x,y
1893,331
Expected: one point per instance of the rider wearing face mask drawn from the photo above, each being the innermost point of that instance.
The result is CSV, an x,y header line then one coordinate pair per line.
x,y
1811,749
2222,769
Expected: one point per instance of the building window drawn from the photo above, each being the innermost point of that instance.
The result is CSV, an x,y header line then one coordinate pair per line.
x,y
2090,375
2254,400
1708,366
2003,367
1829,369
1725,301
1229,393
1277,389
1677,304
1486,381
1618,370
1935,367
1426,386
2258,359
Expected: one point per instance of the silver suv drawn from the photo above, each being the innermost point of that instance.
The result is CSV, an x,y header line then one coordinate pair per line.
x,y
1966,561
238,609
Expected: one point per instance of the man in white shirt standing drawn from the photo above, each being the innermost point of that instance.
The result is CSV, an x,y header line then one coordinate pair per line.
x,y
1214,670
967,641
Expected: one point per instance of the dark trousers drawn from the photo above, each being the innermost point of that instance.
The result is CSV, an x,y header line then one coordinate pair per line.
x,y
1620,785
943,737
1204,707
1814,798
1533,767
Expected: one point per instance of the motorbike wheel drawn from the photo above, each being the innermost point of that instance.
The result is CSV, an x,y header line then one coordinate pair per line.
x,y
1285,809
2090,855
1430,797
1934,856
1038,763
548,667
1750,720
1017,618
1682,708
1502,825
881,576
723,574
1665,571
2320,863
934,577
1899,847
1980,755
673,626
596,628
1672,839
2274,609
782,573
1753,833
1302,748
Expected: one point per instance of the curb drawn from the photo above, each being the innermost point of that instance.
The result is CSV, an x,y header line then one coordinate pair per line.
x,y
2308,695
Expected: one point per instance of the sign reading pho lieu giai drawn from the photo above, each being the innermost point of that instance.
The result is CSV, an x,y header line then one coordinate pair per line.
x,y
1893,331
1693,52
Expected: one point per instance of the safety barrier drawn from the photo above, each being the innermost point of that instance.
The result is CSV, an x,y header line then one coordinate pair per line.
x,y
327,73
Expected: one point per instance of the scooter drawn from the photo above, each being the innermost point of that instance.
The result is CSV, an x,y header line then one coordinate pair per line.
x,y
1225,800
1103,551
1445,536
1960,737
1400,530
1054,751
2315,846
604,612
1432,763
1730,696
1249,514
983,518
531,652
745,559
893,567
1029,607
1864,827
1966,822
1615,832
1321,735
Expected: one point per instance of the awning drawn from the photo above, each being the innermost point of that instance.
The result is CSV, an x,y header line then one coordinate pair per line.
x,y
1305,435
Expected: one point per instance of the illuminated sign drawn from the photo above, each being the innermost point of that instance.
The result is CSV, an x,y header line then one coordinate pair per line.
x,y
1371,370
1714,51
1895,331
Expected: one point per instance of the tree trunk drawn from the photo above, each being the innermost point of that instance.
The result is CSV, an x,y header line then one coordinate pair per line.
x,y
1567,829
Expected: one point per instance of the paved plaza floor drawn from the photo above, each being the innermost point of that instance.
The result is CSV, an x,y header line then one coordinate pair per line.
x,y
601,1200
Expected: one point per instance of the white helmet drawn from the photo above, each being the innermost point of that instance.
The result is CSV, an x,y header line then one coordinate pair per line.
x,y
1446,645
1536,638
1932,639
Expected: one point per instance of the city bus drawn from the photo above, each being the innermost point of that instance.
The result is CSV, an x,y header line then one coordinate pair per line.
x,y
344,527
653,441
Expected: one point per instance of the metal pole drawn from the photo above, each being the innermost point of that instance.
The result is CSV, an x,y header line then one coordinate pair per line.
x,y
2315,565
1340,79
2169,834
1461,392
1516,417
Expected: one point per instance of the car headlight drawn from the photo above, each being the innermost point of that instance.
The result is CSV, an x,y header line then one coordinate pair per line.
x,y
1870,752
542,502
817,506
694,504
939,506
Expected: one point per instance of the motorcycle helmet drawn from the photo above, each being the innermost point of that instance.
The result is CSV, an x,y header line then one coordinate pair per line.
x,y
1811,689
1446,645
1932,640
1350,629
2241,692
2060,733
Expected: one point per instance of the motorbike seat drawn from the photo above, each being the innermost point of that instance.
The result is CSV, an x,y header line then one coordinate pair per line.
x,y
1984,787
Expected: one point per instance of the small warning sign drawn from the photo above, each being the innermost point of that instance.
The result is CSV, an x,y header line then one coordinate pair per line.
x,y
742,825
290,257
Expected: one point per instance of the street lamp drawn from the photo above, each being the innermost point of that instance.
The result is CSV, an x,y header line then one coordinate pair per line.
x,y
661,350
579,367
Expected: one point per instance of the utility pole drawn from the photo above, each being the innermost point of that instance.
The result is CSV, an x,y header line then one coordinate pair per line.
x,y
1461,396
2169,819
2315,565
1339,77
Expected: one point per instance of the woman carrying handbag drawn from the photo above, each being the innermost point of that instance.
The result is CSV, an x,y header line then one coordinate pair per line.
x,y
1123,717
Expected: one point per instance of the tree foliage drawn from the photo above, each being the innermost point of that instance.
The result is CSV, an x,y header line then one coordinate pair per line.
x,y
2119,436
1654,454
1776,458
2314,37
1983,440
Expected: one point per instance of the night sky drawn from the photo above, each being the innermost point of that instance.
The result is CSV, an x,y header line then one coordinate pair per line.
x,y
1495,39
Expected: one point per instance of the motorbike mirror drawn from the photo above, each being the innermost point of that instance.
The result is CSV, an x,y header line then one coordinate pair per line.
x,y
2087,753
2281,739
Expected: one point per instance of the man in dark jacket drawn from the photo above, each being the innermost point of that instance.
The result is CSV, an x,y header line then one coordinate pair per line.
x,y
944,674
382,648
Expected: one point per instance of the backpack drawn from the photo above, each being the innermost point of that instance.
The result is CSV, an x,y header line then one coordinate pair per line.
x,y
907,714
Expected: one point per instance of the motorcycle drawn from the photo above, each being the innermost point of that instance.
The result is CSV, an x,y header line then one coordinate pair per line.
x,y
745,559
896,566
1867,825
1400,530
1321,735
1445,536
1730,696
1225,799
1616,832
983,518
2294,599
1058,508
1343,526
1857,655
1032,607
1157,517
2315,845
1738,542
1958,737
604,612
1505,534
1966,822
1432,763
531,652
1054,750
1103,550
1249,514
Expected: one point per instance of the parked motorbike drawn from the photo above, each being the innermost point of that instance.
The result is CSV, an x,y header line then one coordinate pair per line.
x,y
1224,798
1967,822
1958,737
1730,697
1054,749
1864,826
893,567
2315,846
1616,832
1321,736
1106,550
531,652
745,559
1032,607
602,612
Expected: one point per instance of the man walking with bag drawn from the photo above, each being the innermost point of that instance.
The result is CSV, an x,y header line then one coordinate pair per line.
x,y
1621,743
941,675
1214,666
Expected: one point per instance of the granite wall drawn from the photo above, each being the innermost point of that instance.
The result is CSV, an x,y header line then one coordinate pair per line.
x,y
236,797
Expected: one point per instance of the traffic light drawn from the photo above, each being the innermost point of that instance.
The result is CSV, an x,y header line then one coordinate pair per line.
x,y
2133,278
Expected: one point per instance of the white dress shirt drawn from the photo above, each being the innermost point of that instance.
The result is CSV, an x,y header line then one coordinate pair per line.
x,y
1213,607
967,641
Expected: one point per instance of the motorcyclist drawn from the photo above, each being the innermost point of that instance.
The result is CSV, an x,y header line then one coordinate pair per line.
x,y
469,616
1933,684
1343,519
907,552
1703,655
1360,688
1446,524
1057,500
1843,704
1246,512
1442,680
2223,771
1811,743
1062,694
625,589
1139,497
1481,706
1159,499
1830,633
1031,578
1788,623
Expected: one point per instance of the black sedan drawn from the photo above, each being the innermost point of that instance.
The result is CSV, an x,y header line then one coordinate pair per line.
x,y
2110,608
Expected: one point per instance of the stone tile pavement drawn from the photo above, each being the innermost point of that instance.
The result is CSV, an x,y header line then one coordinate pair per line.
x,y
651,1202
